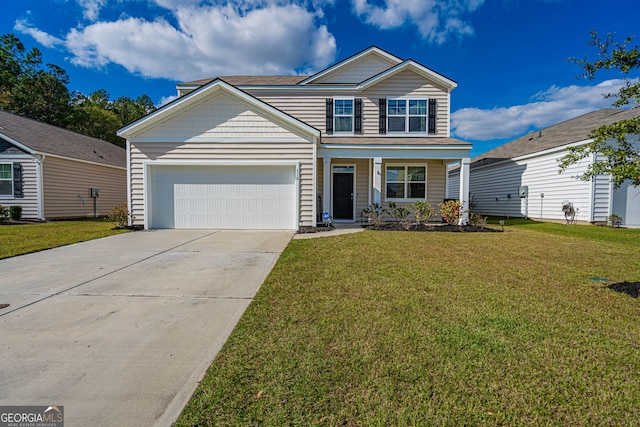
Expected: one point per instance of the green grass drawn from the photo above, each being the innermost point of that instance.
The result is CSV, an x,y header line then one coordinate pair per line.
x,y
578,231
25,238
396,328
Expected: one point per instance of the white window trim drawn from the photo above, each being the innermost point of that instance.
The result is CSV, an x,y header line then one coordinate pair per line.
x,y
406,116
11,195
353,115
406,166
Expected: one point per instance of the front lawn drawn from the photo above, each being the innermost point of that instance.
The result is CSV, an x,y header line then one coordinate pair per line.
x,y
396,328
25,238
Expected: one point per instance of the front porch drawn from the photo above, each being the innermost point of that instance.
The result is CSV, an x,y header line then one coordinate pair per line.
x,y
351,178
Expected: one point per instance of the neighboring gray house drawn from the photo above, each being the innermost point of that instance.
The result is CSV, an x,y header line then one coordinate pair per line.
x,y
532,161
49,171
276,152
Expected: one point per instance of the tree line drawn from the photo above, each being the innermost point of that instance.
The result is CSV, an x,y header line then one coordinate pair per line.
x,y
30,88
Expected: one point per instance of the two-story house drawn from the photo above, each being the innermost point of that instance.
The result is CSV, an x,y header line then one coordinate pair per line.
x,y
276,152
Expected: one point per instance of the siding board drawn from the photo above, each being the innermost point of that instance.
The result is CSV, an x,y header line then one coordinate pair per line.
x,y
64,180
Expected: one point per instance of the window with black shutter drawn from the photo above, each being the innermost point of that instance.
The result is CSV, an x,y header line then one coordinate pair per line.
x,y
382,124
433,107
17,181
329,115
358,116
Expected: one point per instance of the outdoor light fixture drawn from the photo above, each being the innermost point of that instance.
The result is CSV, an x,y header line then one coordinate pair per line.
x,y
502,224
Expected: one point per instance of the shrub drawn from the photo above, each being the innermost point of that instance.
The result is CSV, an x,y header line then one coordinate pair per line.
x,y
424,212
478,220
374,214
119,215
4,213
15,212
614,220
450,211
400,214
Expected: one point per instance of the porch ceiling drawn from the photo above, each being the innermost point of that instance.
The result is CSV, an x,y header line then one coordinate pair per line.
x,y
390,140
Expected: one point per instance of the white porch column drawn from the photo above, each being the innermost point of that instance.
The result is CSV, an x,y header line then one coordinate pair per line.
x,y
326,185
377,180
464,190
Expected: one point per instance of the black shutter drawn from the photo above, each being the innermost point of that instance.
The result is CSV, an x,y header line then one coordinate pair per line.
x,y
358,116
382,126
433,106
329,115
17,181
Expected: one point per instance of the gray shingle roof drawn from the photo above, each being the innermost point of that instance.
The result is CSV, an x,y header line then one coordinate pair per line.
x,y
252,80
48,139
570,131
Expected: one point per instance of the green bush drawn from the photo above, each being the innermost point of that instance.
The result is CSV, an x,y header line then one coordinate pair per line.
x,y
4,213
424,212
400,214
15,212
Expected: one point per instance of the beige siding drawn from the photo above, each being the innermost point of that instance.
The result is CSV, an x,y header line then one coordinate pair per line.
x,y
221,116
362,185
311,108
357,71
211,151
67,182
29,202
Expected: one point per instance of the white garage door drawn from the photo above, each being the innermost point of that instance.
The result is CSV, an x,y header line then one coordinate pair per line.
x,y
224,197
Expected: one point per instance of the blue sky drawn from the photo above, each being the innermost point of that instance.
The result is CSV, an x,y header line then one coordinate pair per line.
x,y
509,57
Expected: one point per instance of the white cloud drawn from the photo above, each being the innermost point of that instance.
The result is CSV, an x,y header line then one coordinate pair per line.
x,y
91,8
436,20
547,108
165,100
206,41
41,37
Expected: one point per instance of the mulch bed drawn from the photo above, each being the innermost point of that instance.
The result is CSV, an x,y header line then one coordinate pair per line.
x,y
444,228
630,288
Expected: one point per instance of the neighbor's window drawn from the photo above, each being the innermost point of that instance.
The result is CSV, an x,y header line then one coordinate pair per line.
x,y
407,115
343,115
406,181
6,179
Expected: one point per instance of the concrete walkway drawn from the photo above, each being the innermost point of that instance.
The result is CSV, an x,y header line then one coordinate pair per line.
x,y
338,229
120,330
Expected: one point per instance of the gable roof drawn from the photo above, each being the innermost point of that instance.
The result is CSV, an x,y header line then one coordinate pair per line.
x,y
410,64
398,66
558,135
371,51
193,98
41,138
248,81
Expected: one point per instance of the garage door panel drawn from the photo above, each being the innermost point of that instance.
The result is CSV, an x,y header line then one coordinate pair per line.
x,y
235,197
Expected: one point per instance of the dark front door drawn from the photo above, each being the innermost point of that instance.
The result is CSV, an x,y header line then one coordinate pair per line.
x,y
342,195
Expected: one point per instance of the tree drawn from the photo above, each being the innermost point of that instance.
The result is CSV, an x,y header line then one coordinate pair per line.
x,y
622,153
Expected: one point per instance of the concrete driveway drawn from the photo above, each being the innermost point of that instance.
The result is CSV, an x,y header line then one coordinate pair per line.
x,y
120,330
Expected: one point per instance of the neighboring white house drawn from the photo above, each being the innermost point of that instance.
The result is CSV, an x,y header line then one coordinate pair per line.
x,y
277,152
498,176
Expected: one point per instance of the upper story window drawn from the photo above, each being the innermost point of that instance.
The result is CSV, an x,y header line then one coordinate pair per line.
x,y
407,115
6,179
343,115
